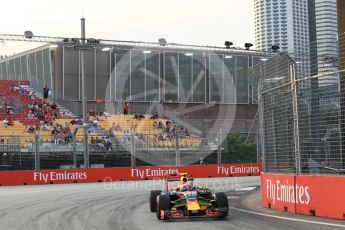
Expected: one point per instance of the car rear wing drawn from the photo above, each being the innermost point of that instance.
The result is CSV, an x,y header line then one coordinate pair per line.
x,y
177,177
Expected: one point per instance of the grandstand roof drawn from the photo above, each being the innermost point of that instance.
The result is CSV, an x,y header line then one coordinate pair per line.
x,y
132,44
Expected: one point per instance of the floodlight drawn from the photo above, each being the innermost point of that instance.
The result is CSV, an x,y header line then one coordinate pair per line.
x,y
228,44
28,34
248,45
162,41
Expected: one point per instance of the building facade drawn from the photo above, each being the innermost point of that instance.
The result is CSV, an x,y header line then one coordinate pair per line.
x,y
325,39
284,23
139,74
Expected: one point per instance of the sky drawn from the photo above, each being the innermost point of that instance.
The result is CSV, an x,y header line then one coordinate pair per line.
x,y
197,22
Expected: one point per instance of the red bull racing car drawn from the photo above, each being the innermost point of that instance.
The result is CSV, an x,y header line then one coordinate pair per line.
x,y
187,201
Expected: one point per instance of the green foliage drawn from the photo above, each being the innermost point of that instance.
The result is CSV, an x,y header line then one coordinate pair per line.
x,y
237,150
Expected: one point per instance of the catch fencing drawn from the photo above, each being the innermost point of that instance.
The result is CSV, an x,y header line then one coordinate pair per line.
x,y
302,125
42,150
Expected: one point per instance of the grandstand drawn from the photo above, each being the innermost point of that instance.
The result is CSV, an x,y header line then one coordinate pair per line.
x,y
196,92
20,134
17,94
193,85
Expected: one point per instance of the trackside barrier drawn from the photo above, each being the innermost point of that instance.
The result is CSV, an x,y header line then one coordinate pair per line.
x,y
33,177
322,196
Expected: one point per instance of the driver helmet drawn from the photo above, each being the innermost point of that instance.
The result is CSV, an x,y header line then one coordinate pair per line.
x,y
185,186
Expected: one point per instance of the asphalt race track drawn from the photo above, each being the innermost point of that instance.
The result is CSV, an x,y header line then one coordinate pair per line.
x,y
124,205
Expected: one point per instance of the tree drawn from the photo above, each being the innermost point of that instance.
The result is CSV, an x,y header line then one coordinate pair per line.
x,y
238,150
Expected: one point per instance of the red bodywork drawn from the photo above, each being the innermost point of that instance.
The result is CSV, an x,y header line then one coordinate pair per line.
x,y
182,215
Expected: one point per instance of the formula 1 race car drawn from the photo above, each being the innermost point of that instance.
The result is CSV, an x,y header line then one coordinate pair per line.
x,y
187,201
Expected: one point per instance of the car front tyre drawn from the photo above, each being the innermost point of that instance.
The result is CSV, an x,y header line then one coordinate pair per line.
x,y
163,204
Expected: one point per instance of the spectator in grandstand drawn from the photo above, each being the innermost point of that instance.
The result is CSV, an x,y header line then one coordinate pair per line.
x,y
35,106
160,125
118,127
184,132
45,92
14,88
5,122
67,134
114,127
10,120
73,122
45,127
107,143
30,129
21,92
126,136
90,118
173,132
30,106
100,117
53,106
48,117
141,138
31,115
139,116
168,123
125,108
155,138
5,107
99,143
160,137
106,114
92,141
154,116
90,129
68,138
56,115
155,125
187,133
91,113
39,114
10,108
64,115
56,135
31,95
94,122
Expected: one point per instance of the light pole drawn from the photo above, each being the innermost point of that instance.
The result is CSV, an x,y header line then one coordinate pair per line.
x,y
84,101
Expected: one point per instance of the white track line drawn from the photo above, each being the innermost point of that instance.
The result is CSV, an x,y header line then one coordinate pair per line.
x,y
246,189
292,219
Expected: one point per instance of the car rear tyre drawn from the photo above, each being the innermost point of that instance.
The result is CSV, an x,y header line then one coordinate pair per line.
x,y
153,199
222,203
163,204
